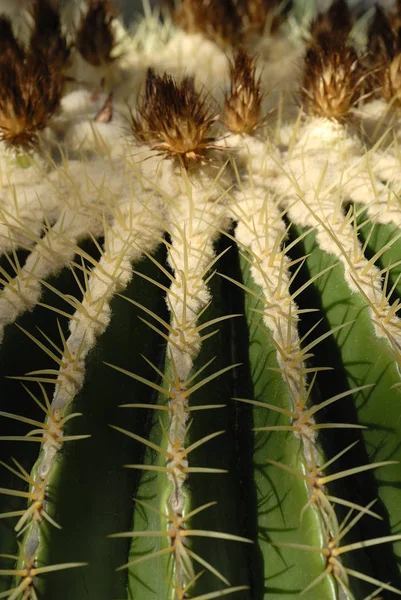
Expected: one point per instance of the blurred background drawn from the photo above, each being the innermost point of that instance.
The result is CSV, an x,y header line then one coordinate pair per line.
x,y
130,7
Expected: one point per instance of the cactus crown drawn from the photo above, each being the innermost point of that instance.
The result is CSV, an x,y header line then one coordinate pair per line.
x,y
32,82
174,119
95,38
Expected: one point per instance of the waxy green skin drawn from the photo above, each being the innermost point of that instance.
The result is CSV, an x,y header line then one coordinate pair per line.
x,y
96,463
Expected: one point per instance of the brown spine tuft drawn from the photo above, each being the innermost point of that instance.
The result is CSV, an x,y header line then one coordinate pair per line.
x,y
243,104
47,38
395,17
95,36
384,46
228,22
218,20
174,119
336,20
381,41
30,90
8,44
333,78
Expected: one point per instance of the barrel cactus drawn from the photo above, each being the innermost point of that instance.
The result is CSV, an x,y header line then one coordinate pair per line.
x,y
200,282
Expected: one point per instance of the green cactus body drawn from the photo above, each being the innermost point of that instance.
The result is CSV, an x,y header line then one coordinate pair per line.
x,y
200,283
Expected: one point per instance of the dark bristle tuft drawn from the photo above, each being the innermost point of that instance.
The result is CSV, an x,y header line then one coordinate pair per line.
x,y
333,78
8,44
395,17
29,95
337,19
229,22
381,43
31,81
243,104
384,58
174,119
47,38
218,20
95,36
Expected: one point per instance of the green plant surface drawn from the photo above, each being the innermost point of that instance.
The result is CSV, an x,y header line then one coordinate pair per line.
x,y
282,497
214,495
376,408
100,491
383,239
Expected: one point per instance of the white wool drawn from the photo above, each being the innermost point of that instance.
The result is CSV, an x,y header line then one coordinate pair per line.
x,y
194,55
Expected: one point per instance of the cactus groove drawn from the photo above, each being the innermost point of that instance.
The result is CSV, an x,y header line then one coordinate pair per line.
x,y
200,257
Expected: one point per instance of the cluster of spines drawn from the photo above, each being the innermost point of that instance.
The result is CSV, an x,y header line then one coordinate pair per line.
x,y
34,77
228,21
337,103
174,119
333,83
384,45
191,257
337,77
95,38
269,266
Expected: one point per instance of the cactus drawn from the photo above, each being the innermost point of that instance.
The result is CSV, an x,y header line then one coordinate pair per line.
x,y
200,278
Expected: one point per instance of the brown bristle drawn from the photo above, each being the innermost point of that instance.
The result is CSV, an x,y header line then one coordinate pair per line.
x,y
336,20
30,91
243,104
174,119
333,78
47,38
228,22
216,19
381,41
105,114
384,46
8,43
395,17
95,36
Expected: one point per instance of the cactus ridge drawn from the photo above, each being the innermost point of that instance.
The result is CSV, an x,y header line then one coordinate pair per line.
x,y
195,250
